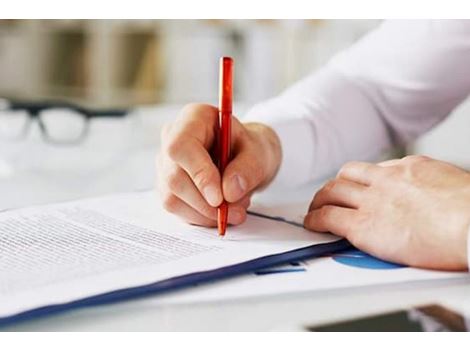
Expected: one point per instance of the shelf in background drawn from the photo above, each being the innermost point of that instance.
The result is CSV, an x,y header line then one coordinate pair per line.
x,y
110,63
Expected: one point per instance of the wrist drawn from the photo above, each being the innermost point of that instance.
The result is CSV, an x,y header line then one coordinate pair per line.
x,y
269,143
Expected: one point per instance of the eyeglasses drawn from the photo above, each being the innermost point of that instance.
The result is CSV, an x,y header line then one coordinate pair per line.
x,y
59,122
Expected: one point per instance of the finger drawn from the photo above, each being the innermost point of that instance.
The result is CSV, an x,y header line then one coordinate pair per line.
x,y
187,143
178,207
339,192
236,214
244,203
178,182
329,218
193,158
242,175
360,172
197,120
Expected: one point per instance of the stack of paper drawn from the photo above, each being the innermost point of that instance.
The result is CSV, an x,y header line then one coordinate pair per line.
x,y
58,254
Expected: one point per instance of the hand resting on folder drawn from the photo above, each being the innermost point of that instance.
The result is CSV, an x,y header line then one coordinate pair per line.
x,y
412,211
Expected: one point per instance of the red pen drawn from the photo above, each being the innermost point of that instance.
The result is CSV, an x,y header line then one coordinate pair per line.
x,y
225,122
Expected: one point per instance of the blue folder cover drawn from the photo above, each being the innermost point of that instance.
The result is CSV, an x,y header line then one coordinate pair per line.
x,y
187,280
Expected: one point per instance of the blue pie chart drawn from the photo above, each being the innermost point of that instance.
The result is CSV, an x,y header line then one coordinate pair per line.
x,y
359,259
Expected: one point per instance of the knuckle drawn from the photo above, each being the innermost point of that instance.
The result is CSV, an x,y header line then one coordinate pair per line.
x,y
415,158
408,158
202,176
415,169
326,213
346,167
320,196
329,186
190,109
309,218
413,165
175,180
206,210
173,148
394,171
425,158
170,203
196,111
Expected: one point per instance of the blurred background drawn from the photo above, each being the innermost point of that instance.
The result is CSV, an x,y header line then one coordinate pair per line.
x,y
130,62
125,78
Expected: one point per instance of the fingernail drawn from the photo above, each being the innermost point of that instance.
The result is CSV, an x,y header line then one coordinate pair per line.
x,y
240,185
212,195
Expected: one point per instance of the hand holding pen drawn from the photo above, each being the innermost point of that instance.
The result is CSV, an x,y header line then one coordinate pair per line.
x,y
189,181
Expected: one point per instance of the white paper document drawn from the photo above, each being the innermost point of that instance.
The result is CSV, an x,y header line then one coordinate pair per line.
x,y
61,253
344,270
315,275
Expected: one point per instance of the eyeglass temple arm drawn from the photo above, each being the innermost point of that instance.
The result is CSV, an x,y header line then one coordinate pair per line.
x,y
35,107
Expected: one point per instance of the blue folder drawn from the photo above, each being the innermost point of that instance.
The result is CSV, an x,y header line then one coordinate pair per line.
x,y
187,280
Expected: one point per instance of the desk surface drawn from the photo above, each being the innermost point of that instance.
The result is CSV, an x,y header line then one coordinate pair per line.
x,y
96,168
287,312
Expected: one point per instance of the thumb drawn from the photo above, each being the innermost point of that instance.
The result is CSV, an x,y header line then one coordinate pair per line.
x,y
242,175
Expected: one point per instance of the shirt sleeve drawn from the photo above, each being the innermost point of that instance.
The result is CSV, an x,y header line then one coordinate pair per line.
x,y
387,89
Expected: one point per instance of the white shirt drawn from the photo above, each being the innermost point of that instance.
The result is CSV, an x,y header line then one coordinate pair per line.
x,y
394,84
391,86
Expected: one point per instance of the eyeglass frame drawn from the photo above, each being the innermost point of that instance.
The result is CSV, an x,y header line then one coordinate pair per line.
x,y
34,109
